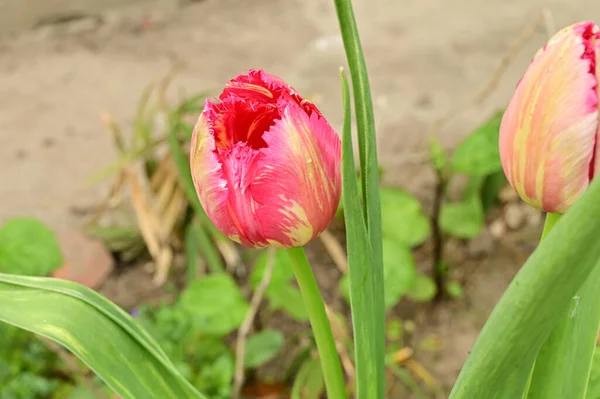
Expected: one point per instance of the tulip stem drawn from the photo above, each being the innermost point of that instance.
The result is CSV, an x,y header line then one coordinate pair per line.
x,y
330,361
551,220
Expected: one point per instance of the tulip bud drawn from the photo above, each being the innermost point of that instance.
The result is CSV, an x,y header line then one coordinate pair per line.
x,y
549,132
265,163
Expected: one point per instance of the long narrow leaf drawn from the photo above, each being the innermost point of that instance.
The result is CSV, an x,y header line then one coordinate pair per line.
x,y
562,368
359,265
102,335
500,362
369,169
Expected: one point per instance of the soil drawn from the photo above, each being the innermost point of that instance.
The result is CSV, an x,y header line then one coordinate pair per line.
x,y
423,57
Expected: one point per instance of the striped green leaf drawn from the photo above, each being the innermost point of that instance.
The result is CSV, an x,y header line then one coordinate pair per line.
x,y
101,334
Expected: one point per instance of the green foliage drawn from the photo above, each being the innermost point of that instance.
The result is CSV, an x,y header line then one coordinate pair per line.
x,y
28,247
309,383
462,219
203,359
365,261
438,156
403,219
96,331
28,369
215,304
280,293
478,158
192,329
262,347
593,388
478,154
423,290
454,289
399,273
536,300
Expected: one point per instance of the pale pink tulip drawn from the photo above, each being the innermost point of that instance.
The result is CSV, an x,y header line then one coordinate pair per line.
x,y
549,132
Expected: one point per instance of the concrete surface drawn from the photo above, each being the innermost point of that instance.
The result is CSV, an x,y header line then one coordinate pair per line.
x,y
423,57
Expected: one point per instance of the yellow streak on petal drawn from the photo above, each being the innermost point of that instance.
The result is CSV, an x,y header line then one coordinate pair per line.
x,y
306,148
252,87
303,231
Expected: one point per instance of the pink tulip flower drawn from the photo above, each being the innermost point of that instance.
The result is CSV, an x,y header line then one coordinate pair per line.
x,y
266,163
549,132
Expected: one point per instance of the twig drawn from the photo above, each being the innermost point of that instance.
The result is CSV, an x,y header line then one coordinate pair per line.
x,y
439,272
335,249
341,335
240,346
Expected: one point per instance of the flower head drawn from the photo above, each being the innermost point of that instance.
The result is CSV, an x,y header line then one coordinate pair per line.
x,y
265,163
549,132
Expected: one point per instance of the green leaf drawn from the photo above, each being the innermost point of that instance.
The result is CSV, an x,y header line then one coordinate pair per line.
x,y
454,289
123,355
399,273
309,383
282,270
437,155
369,385
478,154
593,388
365,302
287,298
462,219
215,304
423,290
538,297
563,364
394,330
28,247
403,218
492,185
82,392
262,347
280,293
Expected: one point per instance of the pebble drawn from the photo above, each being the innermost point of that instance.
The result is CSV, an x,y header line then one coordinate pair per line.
x,y
508,194
515,215
498,228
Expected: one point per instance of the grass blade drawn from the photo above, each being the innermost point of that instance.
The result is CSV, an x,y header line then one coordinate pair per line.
x,y
369,168
501,360
102,335
359,265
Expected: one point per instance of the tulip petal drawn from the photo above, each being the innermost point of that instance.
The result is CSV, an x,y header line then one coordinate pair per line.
x,y
298,189
548,131
208,178
597,147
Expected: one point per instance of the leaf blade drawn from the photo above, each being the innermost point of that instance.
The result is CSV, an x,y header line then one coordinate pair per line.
x,y
500,362
121,358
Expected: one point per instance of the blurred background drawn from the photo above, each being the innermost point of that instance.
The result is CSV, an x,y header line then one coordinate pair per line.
x,y
70,71
64,62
